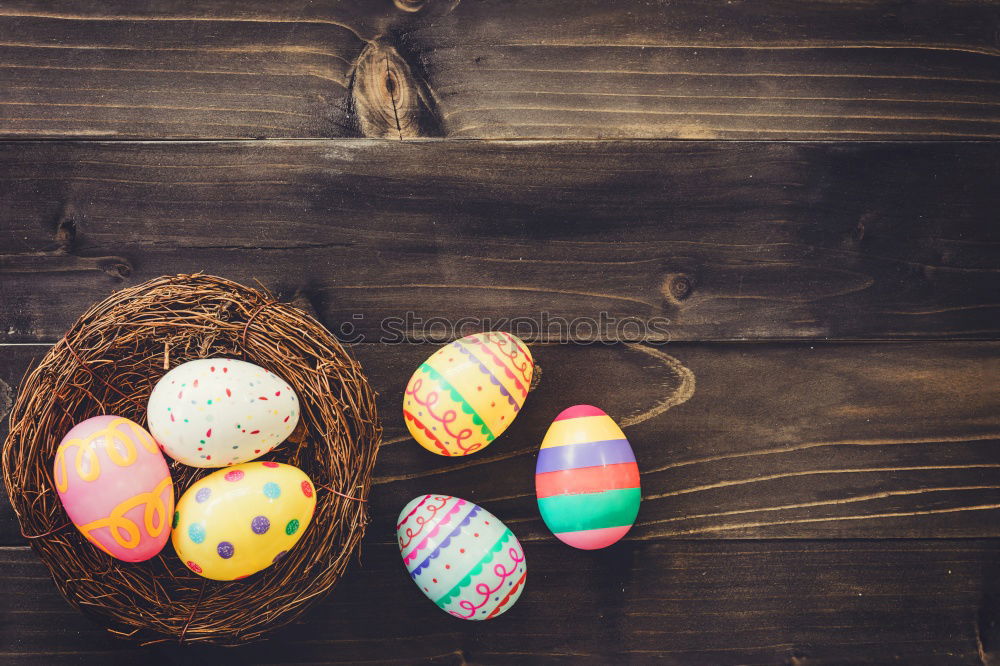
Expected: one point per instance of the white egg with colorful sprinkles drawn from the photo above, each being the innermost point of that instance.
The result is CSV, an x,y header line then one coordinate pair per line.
x,y
216,412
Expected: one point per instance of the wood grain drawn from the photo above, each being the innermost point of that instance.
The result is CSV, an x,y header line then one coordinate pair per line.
x,y
388,98
185,70
723,240
733,441
695,69
805,501
687,69
676,602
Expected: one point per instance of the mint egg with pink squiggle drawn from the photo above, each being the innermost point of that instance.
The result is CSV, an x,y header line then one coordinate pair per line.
x,y
461,556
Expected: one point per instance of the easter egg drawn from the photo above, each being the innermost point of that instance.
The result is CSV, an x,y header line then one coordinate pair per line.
x,y
215,412
586,479
461,556
467,393
115,486
236,521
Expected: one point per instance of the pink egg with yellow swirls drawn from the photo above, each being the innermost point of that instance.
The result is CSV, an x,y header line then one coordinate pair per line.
x,y
114,484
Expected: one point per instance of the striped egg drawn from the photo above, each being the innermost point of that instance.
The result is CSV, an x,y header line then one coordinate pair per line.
x,y
461,556
467,393
586,479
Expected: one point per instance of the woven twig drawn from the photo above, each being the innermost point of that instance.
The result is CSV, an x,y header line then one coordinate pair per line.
x,y
108,363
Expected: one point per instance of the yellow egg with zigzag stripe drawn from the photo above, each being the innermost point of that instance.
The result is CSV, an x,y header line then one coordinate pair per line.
x,y
468,392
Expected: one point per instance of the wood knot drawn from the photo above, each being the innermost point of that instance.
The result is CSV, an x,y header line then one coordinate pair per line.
x,y
677,287
66,229
6,399
430,8
409,5
117,267
861,228
389,99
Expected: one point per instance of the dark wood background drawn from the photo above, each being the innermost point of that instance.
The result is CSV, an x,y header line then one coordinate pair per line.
x,y
806,192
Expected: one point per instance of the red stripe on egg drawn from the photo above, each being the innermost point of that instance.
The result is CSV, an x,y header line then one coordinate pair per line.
x,y
587,480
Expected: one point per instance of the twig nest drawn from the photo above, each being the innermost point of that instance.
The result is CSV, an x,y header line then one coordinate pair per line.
x,y
108,363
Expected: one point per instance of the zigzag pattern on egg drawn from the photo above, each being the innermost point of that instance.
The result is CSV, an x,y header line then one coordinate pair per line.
x,y
467,393
474,568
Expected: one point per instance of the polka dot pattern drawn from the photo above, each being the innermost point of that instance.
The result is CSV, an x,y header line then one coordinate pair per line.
x,y
243,525
260,524
196,532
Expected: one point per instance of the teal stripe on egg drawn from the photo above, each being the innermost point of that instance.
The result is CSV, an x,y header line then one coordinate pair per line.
x,y
590,511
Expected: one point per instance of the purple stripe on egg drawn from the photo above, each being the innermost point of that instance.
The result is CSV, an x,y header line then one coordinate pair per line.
x,y
447,540
586,454
438,524
493,378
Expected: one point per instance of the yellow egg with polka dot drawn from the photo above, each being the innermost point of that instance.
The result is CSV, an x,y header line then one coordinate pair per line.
x,y
239,520
468,392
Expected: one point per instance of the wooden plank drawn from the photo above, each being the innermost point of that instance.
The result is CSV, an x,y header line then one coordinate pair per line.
x,y
696,69
688,69
688,241
182,69
789,441
726,602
